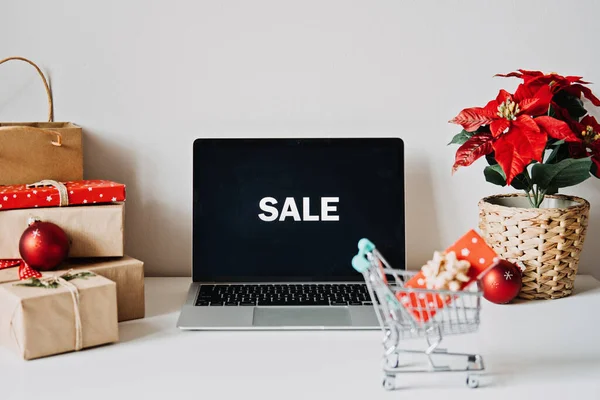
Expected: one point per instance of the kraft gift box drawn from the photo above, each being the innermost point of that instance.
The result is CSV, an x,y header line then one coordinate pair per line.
x,y
43,321
126,272
95,230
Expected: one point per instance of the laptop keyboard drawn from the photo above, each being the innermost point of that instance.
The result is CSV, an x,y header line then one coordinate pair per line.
x,y
353,294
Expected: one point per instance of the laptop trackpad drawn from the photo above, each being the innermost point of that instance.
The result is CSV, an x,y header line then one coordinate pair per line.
x,y
301,316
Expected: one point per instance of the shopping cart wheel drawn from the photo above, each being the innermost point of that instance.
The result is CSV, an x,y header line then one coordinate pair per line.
x,y
472,381
474,363
389,382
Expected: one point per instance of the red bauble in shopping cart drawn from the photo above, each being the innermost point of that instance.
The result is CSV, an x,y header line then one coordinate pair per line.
x,y
502,282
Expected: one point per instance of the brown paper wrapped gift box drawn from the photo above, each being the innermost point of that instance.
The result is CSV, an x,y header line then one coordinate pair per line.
x,y
38,322
126,272
94,230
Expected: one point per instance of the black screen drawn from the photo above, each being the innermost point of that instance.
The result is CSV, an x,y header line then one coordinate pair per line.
x,y
354,189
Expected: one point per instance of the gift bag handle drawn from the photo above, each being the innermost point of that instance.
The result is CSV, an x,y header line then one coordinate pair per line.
x,y
46,86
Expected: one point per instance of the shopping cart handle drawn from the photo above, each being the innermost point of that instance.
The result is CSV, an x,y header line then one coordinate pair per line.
x,y
359,261
365,245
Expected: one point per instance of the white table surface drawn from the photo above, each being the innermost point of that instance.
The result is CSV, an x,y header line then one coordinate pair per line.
x,y
532,350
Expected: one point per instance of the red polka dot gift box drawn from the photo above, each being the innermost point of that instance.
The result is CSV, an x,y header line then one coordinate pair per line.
x,y
56,194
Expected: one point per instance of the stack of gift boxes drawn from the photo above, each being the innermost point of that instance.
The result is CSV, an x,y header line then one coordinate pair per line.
x,y
78,299
78,304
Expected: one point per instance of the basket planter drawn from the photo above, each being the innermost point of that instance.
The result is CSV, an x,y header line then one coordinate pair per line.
x,y
546,240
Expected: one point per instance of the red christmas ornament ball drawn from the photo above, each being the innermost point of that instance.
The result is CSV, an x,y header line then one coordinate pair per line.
x,y
44,245
502,282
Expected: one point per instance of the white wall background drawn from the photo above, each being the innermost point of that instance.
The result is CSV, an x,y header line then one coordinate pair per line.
x,y
145,78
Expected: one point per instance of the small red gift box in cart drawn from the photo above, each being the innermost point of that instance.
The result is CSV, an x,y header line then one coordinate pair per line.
x,y
407,309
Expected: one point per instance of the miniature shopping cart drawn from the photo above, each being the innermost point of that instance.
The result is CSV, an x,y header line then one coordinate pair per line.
x,y
400,319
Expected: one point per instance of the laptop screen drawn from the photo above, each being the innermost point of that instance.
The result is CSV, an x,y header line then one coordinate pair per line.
x,y
290,210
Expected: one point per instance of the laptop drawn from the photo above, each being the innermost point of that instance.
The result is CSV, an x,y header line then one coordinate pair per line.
x,y
276,223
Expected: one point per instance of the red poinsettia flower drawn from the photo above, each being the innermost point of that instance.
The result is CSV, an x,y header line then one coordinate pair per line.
x,y
516,135
573,85
588,142
506,110
537,79
514,130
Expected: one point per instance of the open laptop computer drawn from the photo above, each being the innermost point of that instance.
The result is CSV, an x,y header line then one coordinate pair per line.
x,y
275,226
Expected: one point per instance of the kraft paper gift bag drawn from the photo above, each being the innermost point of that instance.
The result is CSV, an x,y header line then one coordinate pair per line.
x,y
58,313
33,151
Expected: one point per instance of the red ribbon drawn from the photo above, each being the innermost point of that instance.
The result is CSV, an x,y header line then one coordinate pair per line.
x,y
25,271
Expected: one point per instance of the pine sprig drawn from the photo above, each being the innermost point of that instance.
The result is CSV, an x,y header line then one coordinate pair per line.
x,y
36,282
79,275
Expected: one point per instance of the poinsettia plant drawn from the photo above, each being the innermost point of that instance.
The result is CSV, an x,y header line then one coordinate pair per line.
x,y
538,139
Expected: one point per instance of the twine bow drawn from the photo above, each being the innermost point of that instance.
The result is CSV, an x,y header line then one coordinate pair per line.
x,y
62,279
63,194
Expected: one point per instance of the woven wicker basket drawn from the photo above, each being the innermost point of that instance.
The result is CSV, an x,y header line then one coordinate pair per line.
x,y
547,241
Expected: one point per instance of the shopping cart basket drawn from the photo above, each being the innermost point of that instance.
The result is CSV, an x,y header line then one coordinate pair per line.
x,y
401,319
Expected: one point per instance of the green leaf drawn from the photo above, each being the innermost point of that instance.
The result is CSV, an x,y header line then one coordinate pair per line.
x,y
572,104
559,153
78,275
494,174
565,173
520,182
491,158
461,138
36,282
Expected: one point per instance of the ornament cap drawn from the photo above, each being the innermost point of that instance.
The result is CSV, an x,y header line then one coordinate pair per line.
x,y
33,220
